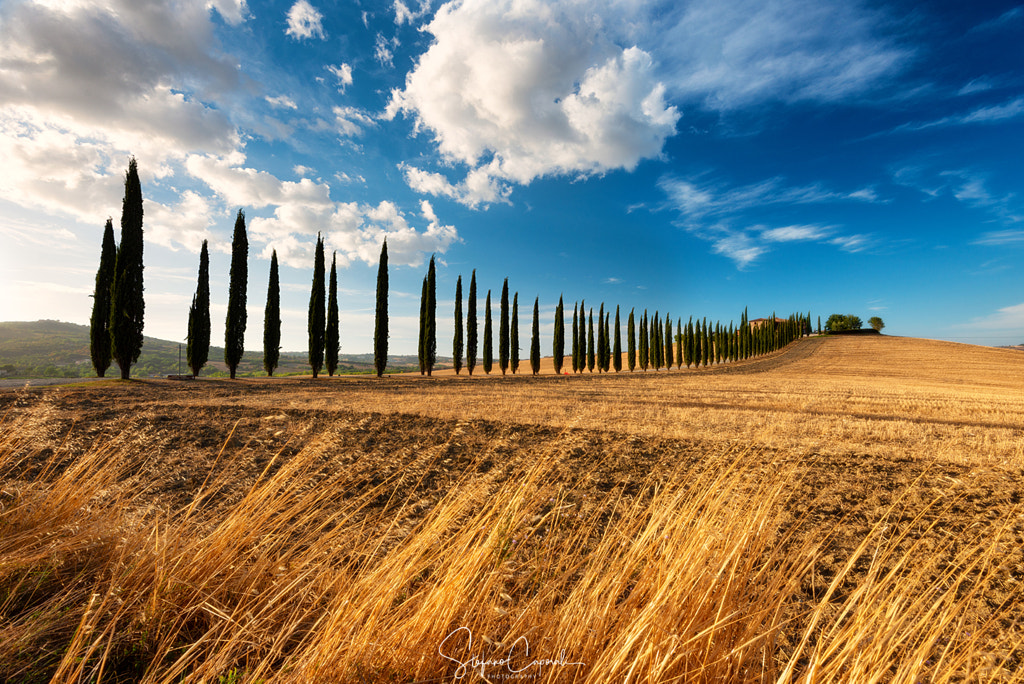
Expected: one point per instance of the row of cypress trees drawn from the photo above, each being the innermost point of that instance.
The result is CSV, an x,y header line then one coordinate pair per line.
x,y
118,313
659,346
508,329
323,320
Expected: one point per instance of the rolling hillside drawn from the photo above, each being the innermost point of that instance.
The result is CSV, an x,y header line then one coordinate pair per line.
x,y
47,349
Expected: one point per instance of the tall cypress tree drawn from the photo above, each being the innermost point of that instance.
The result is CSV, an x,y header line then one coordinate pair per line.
x,y
631,342
558,343
471,328
457,340
503,329
575,338
591,354
606,354
332,339
655,337
679,339
669,353
600,339
317,323
705,344
583,335
535,338
234,328
431,324
690,340
99,324
514,341
488,337
617,347
645,349
421,345
272,319
127,306
198,349
380,322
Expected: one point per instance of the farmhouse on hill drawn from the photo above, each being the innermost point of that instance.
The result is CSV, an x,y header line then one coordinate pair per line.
x,y
758,322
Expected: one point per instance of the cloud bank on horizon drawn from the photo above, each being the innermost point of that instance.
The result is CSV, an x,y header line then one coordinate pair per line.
x,y
366,122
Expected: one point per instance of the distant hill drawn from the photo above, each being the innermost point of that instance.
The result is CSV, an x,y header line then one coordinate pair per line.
x,y
49,349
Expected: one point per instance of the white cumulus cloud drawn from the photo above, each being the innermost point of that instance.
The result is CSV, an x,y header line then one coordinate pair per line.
x,y
304,208
304,21
533,88
343,73
527,89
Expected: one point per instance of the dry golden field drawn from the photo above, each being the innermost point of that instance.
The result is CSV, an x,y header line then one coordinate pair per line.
x,y
848,509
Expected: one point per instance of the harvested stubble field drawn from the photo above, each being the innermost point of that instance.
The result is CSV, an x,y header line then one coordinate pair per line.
x,y
846,510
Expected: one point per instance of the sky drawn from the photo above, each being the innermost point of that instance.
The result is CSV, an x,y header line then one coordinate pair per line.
x,y
693,157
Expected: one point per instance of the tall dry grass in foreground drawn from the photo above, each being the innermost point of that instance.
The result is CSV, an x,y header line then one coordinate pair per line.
x,y
315,577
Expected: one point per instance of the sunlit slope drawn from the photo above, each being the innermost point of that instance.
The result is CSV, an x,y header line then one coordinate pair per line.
x,y
873,395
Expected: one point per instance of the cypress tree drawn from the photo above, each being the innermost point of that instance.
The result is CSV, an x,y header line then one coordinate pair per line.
x,y
706,344
688,343
631,342
503,329
575,338
234,328
669,360
583,335
645,356
99,324
272,319
317,319
488,338
198,349
471,329
617,348
606,353
332,339
535,338
421,344
719,342
127,306
431,320
679,340
457,340
601,339
558,344
380,322
590,342
514,341
656,342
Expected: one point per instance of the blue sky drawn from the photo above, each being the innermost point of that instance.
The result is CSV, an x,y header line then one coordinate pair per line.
x,y
695,157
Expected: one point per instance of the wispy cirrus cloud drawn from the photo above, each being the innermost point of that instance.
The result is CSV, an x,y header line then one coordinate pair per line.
x,y
988,114
999,238
969,186
1005,319
717,213
1006,19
